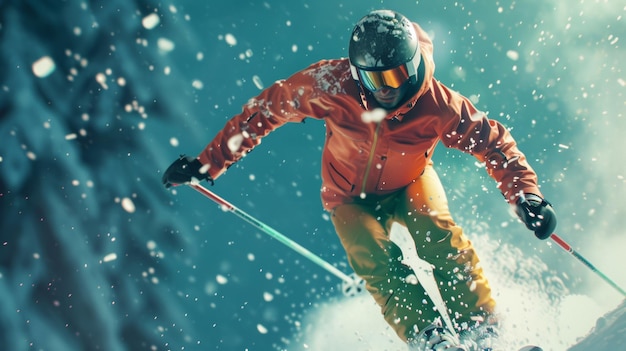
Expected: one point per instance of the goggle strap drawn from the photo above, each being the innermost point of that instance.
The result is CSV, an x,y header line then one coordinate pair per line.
x,y
355,72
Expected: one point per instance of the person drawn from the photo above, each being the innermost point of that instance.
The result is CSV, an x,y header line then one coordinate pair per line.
x,y
384,112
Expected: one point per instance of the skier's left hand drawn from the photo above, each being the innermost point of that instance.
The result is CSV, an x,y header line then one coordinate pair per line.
x,y
537,214
184,170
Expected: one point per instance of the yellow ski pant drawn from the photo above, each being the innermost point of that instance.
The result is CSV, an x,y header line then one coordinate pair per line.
x,y
363,228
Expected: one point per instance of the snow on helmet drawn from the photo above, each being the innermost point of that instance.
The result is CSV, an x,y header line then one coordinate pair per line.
x,y
384,50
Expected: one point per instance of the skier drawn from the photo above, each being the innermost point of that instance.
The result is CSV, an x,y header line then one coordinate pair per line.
x,y
376,171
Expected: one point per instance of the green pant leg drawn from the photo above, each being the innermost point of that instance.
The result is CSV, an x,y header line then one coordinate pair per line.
x,y
439,241
377,260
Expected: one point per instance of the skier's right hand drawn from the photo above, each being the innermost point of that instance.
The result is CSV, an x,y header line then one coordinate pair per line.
x,y
184,170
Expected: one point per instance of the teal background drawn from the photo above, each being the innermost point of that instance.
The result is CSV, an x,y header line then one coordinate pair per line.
x,y
186,275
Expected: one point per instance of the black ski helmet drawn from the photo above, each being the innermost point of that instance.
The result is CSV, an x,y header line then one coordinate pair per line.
x,y
383,40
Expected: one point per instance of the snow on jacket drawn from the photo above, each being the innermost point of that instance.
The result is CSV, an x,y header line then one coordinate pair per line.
x,y
371,159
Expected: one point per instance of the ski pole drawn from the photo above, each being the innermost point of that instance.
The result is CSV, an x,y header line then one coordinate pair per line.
x,y
350,286
557,239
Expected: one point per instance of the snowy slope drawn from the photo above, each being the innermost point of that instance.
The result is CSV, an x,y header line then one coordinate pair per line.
x,y
609,333
355,323
543,314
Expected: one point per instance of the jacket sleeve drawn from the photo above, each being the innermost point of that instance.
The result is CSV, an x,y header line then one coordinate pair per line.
x,y
290,100
469,130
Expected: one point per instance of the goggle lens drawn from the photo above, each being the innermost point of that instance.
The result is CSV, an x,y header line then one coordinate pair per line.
x,y
393,78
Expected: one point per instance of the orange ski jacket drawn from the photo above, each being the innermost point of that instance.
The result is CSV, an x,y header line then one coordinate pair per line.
x,y
371,159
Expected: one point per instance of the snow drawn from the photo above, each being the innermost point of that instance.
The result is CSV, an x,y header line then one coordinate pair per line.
x,y
513,55
230,39
374,116
257,82
234,142
128,204
261,328
220,279
43,67
150,21
165,44
110,257
608,333
530,316
102,80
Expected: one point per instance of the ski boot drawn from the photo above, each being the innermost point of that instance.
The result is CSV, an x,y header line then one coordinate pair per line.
x,y
435,338
482,337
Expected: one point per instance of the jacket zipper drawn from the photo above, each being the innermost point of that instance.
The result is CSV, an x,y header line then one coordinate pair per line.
x,y
370,160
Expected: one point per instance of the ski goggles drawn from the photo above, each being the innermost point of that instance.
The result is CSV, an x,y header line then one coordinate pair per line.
x,y
373,80
392,78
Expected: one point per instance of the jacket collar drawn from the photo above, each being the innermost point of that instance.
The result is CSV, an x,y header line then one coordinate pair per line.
x,y
399,112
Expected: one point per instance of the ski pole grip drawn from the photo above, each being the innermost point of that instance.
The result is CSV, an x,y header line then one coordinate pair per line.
x,y
557,239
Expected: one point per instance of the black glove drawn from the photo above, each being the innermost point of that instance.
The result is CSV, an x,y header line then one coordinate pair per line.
x,y
537,214
183,170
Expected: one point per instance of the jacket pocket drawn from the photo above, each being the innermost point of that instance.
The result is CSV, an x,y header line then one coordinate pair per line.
x,y
337,176
403,164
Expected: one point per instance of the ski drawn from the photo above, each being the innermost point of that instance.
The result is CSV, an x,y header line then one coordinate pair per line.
x,y
423,272
531,348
